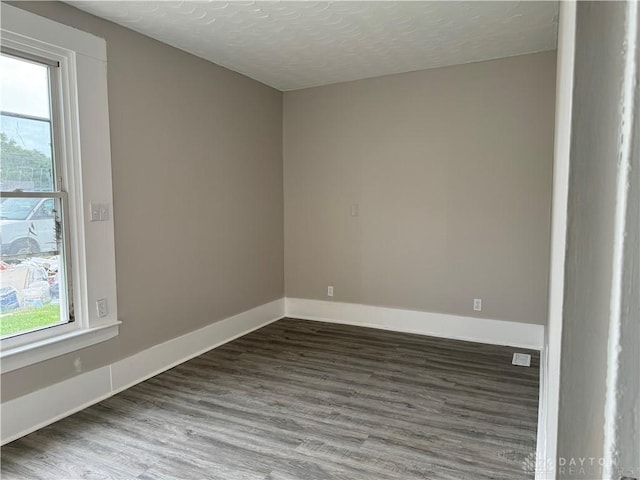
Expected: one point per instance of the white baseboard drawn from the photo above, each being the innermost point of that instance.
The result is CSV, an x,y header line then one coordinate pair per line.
x,y
23,415
482,330
544,465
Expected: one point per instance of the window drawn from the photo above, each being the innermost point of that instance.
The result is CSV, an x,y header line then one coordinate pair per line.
x,y
35,285
56,264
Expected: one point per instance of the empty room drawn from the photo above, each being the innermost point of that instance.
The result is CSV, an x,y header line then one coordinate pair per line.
x,y
319,240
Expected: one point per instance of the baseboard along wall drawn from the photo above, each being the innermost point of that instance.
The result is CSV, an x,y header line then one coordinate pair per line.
x,y
481,330
28,413
25,414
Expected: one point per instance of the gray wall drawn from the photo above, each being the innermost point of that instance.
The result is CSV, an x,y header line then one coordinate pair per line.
x,y
451,169
198,206
590,268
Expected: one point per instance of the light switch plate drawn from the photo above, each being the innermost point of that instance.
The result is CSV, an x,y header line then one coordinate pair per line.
x,y
94,214
104,212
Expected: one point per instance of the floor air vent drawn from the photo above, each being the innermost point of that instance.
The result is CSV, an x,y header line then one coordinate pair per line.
x,y
521,359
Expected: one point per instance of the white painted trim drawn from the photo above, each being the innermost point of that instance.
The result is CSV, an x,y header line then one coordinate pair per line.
x,y
543,467
23,415
85,159
482,330
50,347
157,359
550,360
613,413
33,411
54,33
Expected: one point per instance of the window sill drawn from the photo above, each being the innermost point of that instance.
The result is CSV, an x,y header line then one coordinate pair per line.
x,y
24,355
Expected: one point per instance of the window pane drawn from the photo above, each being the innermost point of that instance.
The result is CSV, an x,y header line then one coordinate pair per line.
x,y
24,87
34,290
25,150
29,226
26,146
32,282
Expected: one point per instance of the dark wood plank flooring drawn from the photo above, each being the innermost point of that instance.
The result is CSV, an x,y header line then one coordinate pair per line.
x,y
300,400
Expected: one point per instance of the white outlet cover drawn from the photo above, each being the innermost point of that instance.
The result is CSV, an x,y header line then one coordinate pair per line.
x,y
477,304
521,359
101,307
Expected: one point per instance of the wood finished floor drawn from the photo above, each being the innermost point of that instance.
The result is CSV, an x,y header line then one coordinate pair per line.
x,y
300,400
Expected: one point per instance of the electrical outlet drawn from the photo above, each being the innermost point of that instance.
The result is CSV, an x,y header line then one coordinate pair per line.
x,y
521,359
330,291
355,210
101,307
477,304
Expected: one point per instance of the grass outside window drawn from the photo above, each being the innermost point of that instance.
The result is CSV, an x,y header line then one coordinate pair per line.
x,y
26,319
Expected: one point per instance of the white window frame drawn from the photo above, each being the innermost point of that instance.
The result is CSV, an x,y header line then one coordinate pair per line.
x,y
85,165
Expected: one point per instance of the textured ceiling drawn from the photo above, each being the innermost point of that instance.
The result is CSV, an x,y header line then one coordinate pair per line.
x,y
292,45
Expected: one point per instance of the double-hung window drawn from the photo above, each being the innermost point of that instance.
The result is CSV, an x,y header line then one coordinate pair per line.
x,y
36,286
57,258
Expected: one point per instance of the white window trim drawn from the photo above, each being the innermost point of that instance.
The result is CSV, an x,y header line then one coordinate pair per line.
x,y
87,172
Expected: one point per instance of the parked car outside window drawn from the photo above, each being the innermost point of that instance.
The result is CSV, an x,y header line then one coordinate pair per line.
x,y
28,226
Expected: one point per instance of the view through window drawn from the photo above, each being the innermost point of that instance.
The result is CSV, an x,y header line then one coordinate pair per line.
x,y
34,281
